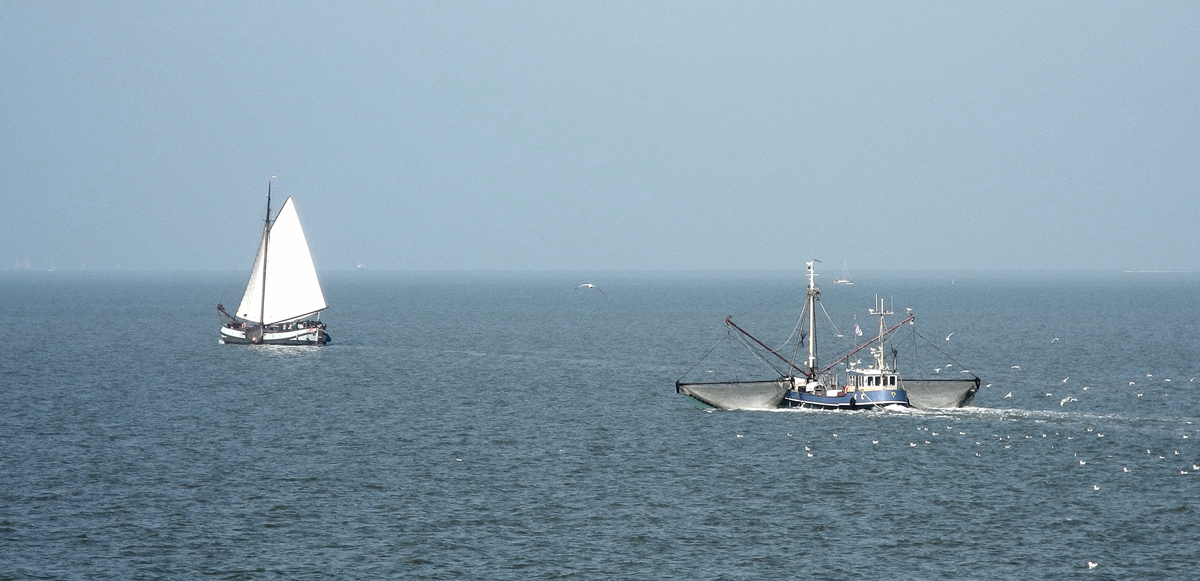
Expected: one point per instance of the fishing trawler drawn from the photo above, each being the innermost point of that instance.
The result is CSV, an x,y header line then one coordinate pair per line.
x,y
811,386
283,293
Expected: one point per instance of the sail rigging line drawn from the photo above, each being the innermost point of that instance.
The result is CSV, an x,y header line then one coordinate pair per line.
x,y
865,345
806,372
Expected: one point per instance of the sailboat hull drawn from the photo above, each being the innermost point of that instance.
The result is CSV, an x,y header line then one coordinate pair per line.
x,y
309,336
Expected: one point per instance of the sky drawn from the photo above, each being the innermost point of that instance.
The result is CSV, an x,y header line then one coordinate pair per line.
x,y
565,136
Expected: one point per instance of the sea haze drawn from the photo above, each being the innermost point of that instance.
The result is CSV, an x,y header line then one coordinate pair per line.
x,y
503,426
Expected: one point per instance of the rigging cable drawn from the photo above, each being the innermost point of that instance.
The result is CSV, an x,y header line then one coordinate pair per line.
x,y
936,348
794,329
835,329
742,340
714,348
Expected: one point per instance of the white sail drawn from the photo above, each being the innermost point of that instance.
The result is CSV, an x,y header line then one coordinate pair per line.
x,y
250,309
293,290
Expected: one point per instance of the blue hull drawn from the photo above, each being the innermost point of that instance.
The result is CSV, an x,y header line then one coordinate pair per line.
x,y
859,400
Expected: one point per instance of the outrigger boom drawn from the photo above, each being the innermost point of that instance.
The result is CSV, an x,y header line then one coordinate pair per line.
x,y
910,318
729,322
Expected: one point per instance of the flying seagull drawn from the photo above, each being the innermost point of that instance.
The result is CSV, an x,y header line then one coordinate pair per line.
x,y
590,285
950,335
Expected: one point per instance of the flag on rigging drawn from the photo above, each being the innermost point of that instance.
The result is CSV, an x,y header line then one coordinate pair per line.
x,y
857,331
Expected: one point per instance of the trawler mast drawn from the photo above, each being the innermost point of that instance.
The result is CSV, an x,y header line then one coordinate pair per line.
x,y
882,312
813,293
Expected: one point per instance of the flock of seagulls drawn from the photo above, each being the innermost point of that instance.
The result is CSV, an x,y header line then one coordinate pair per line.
x,y
1008,442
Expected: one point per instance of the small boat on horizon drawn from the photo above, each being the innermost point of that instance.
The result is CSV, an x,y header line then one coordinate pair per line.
x,y
283,292
845,278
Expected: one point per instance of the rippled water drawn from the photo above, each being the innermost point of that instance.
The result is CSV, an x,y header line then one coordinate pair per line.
x,y
507,427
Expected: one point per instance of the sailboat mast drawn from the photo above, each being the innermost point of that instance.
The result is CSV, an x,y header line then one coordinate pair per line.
x,y
262,304
812,319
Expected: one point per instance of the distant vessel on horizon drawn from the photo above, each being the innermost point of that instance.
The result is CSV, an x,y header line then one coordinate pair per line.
x,y
278,313
844,279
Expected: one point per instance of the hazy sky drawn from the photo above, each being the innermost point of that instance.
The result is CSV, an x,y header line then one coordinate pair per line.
x,y
603,135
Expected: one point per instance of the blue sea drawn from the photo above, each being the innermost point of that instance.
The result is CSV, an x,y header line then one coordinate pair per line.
x,y
506,426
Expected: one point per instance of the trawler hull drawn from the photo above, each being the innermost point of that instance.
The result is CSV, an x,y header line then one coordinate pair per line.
x,y
941,393
855,400
305,336
737,395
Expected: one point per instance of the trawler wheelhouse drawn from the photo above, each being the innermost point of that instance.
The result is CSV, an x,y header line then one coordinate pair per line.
x,y
866,379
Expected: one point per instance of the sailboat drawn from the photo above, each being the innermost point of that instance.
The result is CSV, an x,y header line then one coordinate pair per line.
x,y
283,292
845,279
812,386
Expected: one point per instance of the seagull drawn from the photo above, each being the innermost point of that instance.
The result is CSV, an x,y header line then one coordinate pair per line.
x,y
1017,367
1125,468
1093,564
1095,487
1065,379
1081,462
590,285
937,370
1008,395
1054,340
950,335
